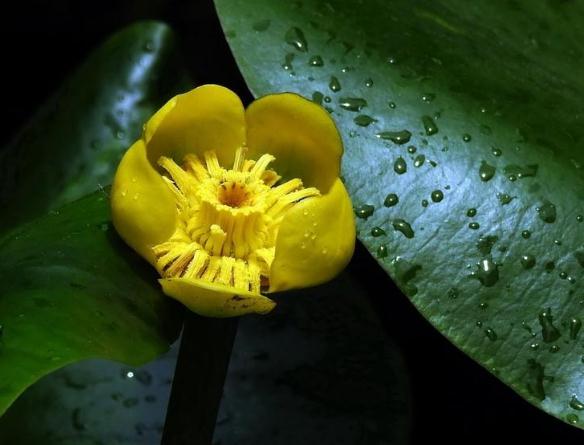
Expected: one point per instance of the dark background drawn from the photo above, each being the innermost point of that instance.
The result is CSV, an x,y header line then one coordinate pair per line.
x,y
454,399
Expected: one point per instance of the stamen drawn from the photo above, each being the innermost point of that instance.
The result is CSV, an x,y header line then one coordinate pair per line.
x,y
228,219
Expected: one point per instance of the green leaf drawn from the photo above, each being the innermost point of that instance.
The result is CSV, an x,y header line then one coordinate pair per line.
x,y
74,143
474,123
72,290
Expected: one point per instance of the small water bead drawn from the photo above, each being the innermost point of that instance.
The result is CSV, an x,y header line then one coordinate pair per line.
x,y
404,227
295,37
412,149
466,137
474,226
504,198
429,125
437,195
390,200
580,218
554,349
377,231
520,172
487,272
400,166
364,211
382,251
363,120
391,105
496,151
316,61
534,346
419,161
512,178
327,99
491,334
528,261
397,137
547,212
369,83
317,97
428,97
424,203
483,306
576,404
335,86
479,324
352,103
288,59
471,212
485,244
575,326
486,171
391,60
526,234
572,419
549,332
563,275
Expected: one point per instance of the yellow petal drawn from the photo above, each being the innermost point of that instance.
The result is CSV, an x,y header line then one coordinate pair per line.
x,y
215,300
315,241
143,208
300,134
210,117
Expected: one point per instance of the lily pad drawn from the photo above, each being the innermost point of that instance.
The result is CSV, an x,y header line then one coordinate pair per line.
x,y
72,290
75,141
478,139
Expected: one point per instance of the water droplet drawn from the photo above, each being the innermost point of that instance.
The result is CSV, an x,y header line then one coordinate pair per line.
x,y
526,234
365,211
390,200
527,261
572,419
419,161
295,37
352,103
335,86
576,404
520,172
575,326
496,151
120,134
479,324
580,218
400,166
428,97
437,195
554,349
534,346
485,244
487,272
486,171
491,334
504,198
424,203
548,331
369,83
317,97
315,61
466,137
474,226
563,275
429,125
382,251
261,25
412,149
391,105
363,120
547,212
377,231
534,379
471,213
391,60
288,59
483,306
404,227
397,137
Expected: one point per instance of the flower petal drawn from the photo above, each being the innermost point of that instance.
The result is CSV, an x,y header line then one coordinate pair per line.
x,y
215,300
300,134
315,241
210,117
143,208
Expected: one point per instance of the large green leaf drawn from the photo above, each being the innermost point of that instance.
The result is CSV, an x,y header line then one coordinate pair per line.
x,y
471,115
72,290
73,144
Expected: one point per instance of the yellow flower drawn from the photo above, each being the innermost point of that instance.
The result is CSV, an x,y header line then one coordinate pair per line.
x,y
227,202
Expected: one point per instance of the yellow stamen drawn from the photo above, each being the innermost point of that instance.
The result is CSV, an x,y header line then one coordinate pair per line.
x,y
228,219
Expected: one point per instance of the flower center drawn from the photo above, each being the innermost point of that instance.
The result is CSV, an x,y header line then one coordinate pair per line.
x,y
228,219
